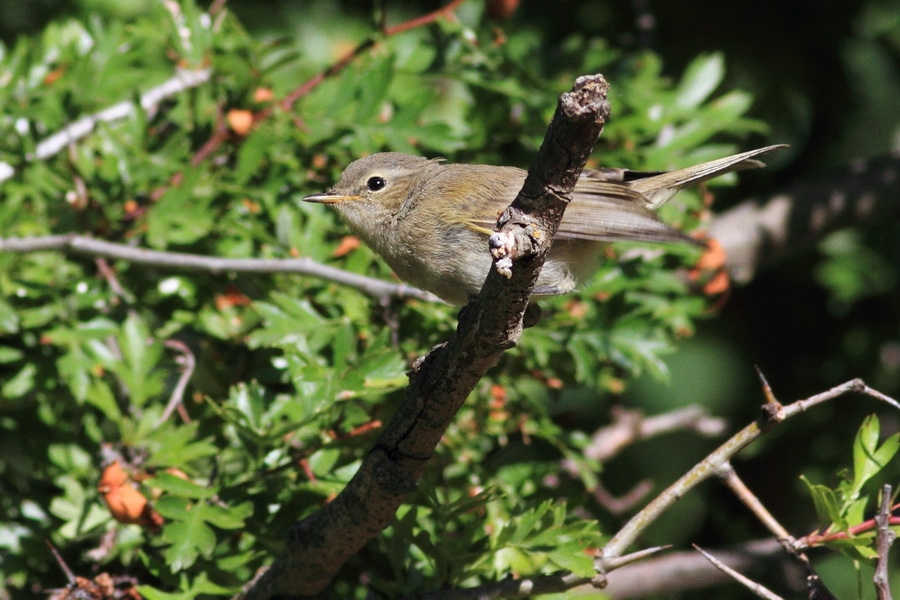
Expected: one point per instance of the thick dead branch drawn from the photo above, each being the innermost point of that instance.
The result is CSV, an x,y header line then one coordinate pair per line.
x,y
440,382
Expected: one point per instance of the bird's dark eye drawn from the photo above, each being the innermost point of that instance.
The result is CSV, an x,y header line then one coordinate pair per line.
x,y
376,183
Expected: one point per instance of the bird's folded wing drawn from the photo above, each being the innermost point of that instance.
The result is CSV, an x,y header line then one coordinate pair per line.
x,y
607,212
600,211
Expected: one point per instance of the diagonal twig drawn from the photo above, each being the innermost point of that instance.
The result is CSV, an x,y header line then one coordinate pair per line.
x,y
814,584
176,400
222,134
752,502
182,80
756,588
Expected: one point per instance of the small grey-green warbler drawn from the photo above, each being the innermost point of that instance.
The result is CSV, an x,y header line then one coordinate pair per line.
x,y
430,220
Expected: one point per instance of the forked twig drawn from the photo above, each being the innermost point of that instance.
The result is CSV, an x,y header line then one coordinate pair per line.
x,y
715,463
176,400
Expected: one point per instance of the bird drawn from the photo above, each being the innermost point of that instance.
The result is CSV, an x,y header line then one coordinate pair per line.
x,y
430,220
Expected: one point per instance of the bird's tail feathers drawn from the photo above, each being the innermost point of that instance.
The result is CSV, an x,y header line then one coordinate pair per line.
x,y
659,188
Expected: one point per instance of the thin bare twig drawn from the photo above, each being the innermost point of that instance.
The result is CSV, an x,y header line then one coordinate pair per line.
x,y
817,539
717,463
110,276
445,12
182,80
216,8
740,489
87,246
176,400
787,541
757,589
687,571
524,587
625,502
883,540
70,576
631,426
221,132
307,86
617,563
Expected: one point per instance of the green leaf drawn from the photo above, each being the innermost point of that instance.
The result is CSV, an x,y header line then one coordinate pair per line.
x,y
100,395
232,517
140,356
184,214
855,512
19,384
572,557
151,593
188,539
381,367
200,585
372,83
174,446
10,355
9,320
868,457
190,535
70,458
828,508
251,155
180,486
700,79
323,461
77,508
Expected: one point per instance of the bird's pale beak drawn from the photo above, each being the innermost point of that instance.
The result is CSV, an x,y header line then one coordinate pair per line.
x,y
328,198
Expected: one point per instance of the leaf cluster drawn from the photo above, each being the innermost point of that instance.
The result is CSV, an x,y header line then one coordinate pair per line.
x,y
845,512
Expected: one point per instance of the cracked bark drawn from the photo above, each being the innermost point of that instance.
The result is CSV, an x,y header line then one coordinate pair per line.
x,y
320,544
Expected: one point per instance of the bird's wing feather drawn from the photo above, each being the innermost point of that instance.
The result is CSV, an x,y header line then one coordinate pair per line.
x,y
660,187
600,211
610,212
609,205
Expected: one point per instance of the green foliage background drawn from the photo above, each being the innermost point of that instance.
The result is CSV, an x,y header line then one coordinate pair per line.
x,y
289,367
